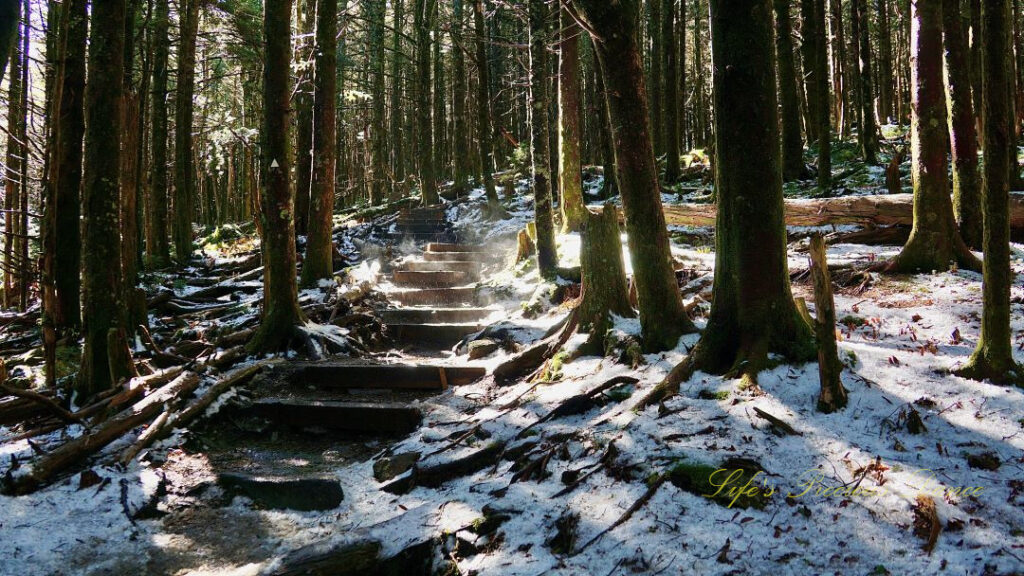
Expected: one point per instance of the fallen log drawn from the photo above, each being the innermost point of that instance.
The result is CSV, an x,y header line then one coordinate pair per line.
x,y
46,468
880,210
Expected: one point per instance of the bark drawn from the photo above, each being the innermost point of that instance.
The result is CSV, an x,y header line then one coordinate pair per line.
x,y
868,129
569,172
103,298
281,314
820,76
662,317
426,11
398,188
808,51
483,111
654,66
993,358
319,261
963,137
540,148
8,31
605,291
841,75
792,142
375,16
752,310
303,102
184,169
610,185
157,247
934,240
833,395
885,70
14,171
669,68
460,125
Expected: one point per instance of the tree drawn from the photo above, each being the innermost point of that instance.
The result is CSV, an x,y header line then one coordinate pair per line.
x,y
962,133
934,240
425,12
669,67
375,17
752,309
157,246
816,32
460,124
540,151
993,358
569,174
103,297
613,27
8,31
319,261
303,102
886,105
483,110
792,142
867,128
281,314
398,188
184,168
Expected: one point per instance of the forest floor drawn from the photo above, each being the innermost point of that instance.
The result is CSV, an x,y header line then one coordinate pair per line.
x,y
561,484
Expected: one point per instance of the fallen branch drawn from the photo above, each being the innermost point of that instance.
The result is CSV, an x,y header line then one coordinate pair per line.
x,y
652,489
49,403
779,424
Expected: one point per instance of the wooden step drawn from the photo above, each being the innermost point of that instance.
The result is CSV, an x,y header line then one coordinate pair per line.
x,y
355,417
435,296
449,247
434,315
471,268
440,335
440,279
455,256
421,227
285,493
385,376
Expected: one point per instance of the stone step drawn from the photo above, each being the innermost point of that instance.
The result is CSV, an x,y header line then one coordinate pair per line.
x,y
455,256
440,279
434,315
385,376
284,493
471,268
440,335
351,417
436,296
449,247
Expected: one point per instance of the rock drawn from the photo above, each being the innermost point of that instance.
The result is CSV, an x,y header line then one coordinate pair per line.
x,y
303,494
481,348
390,466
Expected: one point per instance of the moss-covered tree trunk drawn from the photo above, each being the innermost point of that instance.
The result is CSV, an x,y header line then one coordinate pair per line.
x,y
605,291
993,358
281,314
461,158
184,169
319,261
375,17
157,247
569,174
305,13
540,143
752,309
662,317
962,133
934,241
485,130
669,68
792,142
103,303
425,12
868,128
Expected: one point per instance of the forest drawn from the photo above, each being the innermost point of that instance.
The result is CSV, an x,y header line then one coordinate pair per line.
x,y
515,287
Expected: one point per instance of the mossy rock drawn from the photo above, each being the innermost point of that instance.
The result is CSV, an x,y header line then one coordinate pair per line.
x,y
724,483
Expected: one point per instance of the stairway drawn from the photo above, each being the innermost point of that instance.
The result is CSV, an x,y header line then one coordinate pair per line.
x,y
423,224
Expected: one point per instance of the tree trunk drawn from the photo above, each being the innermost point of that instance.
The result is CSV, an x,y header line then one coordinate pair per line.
x,y
885,69
977,87
184,170
662,317
319,262
378,177
574,213
8,31
654,65
993,358
867,130
752,310
281,314
303,102
540,153
14,173
460,126
820,75
426,11
398,188
483,110
934,241
157,246
103,298
808,53
964,139
669,67
792,143
833,396
605,291
610,185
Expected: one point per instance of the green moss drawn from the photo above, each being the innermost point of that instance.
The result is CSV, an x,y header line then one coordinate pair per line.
x,y
732,484
852,321
713,395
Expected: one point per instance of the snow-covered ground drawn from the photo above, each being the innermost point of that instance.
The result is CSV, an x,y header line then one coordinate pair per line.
x,y
899,339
